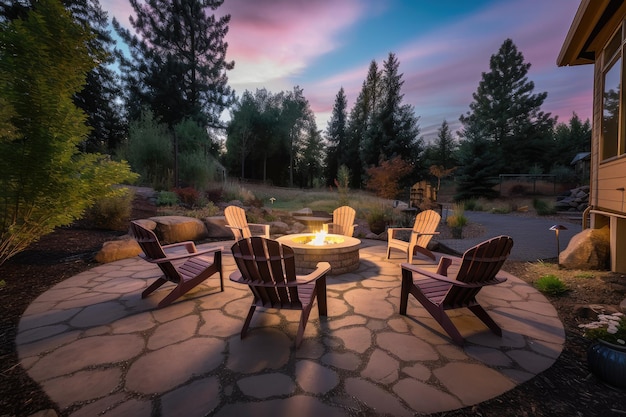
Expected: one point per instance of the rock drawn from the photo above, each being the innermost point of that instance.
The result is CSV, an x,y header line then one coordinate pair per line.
x,y
302,212
216,227
123,248
278,228
589,249
173,229
297,227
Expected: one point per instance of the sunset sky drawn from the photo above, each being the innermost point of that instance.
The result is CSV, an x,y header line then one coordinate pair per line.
x,y
443,48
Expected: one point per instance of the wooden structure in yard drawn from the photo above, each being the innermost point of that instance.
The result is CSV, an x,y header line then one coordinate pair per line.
x,y
597,37
422,192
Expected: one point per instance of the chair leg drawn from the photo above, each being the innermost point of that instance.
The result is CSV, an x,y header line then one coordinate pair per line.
x,y
304,318
407,281
156,284
320,292
246,323
486,318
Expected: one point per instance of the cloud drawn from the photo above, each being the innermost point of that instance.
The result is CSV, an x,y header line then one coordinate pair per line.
x,y
277,39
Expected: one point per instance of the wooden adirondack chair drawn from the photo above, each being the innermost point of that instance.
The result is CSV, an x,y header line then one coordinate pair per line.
x,y
268,268
423,230
186,270
237,223
438,293
343,221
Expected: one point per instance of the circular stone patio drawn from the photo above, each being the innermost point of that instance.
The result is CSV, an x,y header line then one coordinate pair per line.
x,y
96,347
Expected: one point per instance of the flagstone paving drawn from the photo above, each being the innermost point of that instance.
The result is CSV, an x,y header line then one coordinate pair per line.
x,y
97,348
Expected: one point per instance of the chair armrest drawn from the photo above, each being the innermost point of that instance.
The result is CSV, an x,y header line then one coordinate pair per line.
x,y
391,231
265,227
189,245
171,258
452,281
321,269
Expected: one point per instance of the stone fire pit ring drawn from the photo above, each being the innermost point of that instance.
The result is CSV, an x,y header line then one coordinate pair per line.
x,y
342,252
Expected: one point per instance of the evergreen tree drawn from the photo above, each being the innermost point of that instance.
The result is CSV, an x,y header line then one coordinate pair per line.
x,y
310,165
336,135
371,140
356,128
99,98
178,61
444,147
478,174
569,140
507,114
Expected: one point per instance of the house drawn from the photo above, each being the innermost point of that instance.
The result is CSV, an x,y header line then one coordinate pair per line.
x,y
597,37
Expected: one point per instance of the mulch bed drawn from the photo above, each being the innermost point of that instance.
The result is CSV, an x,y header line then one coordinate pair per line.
x,y
565,389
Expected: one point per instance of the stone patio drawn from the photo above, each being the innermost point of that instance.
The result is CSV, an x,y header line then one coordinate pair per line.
x,y
97,348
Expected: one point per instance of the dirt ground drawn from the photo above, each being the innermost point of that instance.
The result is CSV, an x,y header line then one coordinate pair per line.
x,y
565,389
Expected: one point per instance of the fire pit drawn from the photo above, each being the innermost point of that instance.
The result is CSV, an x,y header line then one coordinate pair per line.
x,y
342,252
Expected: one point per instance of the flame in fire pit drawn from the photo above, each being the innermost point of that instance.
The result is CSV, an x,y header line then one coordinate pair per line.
x,y
319,239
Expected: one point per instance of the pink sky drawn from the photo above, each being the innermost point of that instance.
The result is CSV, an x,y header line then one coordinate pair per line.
x,y
324,45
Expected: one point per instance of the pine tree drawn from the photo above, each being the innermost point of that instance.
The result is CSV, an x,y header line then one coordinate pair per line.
x,y
356,128
444,147
507,114
102,90
178,60
336,135
371,139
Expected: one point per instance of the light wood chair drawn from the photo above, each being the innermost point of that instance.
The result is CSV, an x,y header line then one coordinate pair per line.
x,y
343,221
424,228
268,268
194,269
238,224
439,293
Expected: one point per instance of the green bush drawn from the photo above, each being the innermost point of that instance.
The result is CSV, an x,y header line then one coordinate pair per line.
x,y
543,208
149,151
208,210
457,218
167,198
551,285
112,213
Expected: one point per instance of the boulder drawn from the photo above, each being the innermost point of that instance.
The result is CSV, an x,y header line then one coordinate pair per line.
x,y
297,227
173,229
216,227
589,249
123,248
278,228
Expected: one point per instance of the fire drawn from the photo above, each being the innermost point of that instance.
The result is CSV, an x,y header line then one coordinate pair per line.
x,y
319,239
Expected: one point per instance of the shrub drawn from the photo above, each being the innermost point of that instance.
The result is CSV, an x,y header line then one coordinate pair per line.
x,y
167,198
188,196
384,179
551,285
542,207
208,210
149,151
377,219
343,182
112,213
457,219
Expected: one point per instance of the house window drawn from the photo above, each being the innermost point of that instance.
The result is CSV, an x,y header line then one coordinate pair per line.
x,y
612,144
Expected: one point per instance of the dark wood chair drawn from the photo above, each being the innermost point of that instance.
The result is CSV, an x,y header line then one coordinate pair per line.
x,y
268,268
424,228
437,293
343,221
186,270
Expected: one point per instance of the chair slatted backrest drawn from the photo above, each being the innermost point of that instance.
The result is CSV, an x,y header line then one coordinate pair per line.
x,y
480,264
344,217
268,267
236,217
149,244
427,222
